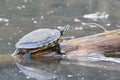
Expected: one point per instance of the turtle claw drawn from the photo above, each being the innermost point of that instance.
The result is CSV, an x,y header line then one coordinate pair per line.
x,y
27,54
61,52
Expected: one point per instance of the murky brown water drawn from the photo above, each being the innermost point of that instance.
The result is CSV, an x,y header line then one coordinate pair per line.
x,y
86,17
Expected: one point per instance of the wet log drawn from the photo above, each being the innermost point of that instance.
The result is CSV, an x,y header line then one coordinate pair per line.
x,y
107,43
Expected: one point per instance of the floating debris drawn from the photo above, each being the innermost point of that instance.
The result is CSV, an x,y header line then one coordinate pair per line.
x,y
78,28
6,24
77,20
97,15
20,71
59,27
97,25
92,26
35,22
15,33
108,24
105,67
69,75
23,6
82,78
27,77
18,7
33,18
50,12
4,20
54,77
11,38
83,23
42,17
9,43
78,74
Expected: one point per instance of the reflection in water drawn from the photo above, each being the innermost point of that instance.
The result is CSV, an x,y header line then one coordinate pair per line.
x,y
36,73
97,25
96,16
92,57
4,20
92,25
80,69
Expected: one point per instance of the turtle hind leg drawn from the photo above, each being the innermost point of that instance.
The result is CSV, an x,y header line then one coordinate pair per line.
x,y
27,54
16,52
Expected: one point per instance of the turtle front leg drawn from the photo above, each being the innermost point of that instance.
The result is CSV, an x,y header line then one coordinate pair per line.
x,y
58,49
27,54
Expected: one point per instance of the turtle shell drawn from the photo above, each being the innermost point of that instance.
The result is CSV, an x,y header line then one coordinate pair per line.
x,y
38,38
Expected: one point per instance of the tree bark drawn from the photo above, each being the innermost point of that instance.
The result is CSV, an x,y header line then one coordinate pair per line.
x,y
107,43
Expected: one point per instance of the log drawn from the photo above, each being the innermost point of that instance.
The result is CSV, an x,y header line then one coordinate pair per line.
x,y
107,43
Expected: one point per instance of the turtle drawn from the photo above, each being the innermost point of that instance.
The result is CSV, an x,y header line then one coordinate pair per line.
x,y
40,39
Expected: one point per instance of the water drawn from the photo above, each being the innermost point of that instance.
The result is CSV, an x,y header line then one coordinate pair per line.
x,y
86,17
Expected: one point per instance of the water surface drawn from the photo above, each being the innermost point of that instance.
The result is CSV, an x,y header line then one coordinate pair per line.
x,y
86,17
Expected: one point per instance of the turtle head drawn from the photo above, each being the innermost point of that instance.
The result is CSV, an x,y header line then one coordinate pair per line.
x,y
64,29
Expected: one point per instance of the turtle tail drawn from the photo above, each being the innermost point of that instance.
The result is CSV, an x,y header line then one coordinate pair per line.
x,y
64,29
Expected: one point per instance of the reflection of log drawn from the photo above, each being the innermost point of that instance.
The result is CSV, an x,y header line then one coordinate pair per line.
x,y
107,43
6,59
